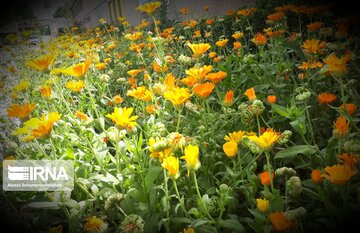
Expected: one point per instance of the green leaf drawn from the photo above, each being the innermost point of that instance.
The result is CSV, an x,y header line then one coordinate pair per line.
x,y
232,224
282,111
151,176
199,222
291,152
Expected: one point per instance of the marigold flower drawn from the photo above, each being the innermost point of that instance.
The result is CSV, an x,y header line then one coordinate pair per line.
x,y
21,111
262,204
184,10
82,116
149,7
117,99
159,148
188,230
100,66
341,127
265,178
134,37
171,164
75,86
237,45
229,98
21,86
279,222
349,108
313,27
271,99
151,109
326,98
199,49
316,176
203,90
94,224
133,73
230,149
275,16
335,64
123,119
46,91
349,159
246,12
216,77
222,43
250,93
235,136
42,63
237,35
191,157
140,93
178,96
339,174
266,140
199,73
314,46
189,81
259,39
78,70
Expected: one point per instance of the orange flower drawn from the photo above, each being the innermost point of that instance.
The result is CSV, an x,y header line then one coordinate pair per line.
x,y
341,127
349,159
222,43
313,65
212,54
229,98
117,99
45,91
314,46
339,174
192,23
21,111
349,108
177,96
276,16
237,45
209,21
216,77
151,109
204,90
316,176
82,116
250,93
159,67
42,63
326,98
45,126
100,66
184,10
246,12
198,49
77,70
313,27
265,178
259,39
335,64
279,222
271,99
133,73
189,81
170,81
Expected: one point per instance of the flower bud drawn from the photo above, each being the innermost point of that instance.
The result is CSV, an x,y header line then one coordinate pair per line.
x,y
132,224
294,186
284,137
295,214
257,107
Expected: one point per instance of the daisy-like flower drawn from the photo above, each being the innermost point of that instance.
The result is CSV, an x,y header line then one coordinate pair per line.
x,y
326,98
75,86
250,93
316,176
21,86
78,70
133,73
177,96
199,49
171,164
336,64
229,98
313,27
349,108
199,73
259,39
149,8
191,157
82,116
46,91
275,16
314,46
42,63
339,174
222,43
140,93
21,111
204,90
123,119
341,127
94,224
216,77
266,140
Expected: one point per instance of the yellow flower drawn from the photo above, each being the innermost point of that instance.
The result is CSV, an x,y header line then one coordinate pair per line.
x,y
188,230
133,73
149,7
222,43
57,229
21,111
199,49
199,73
133,37
262,204
45,91
75,86
335,64
237,35
140,93
159,148
339,174
95,225
177,96
123,119
42,63
82,116
216,77
266,140
230,148
235,136
314,46
191,157
21,86
171,164
77,70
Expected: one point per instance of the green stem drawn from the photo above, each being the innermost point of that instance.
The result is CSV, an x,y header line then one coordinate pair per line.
x,y
178,121
267,155
182,205
258,124
167,208
200,197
